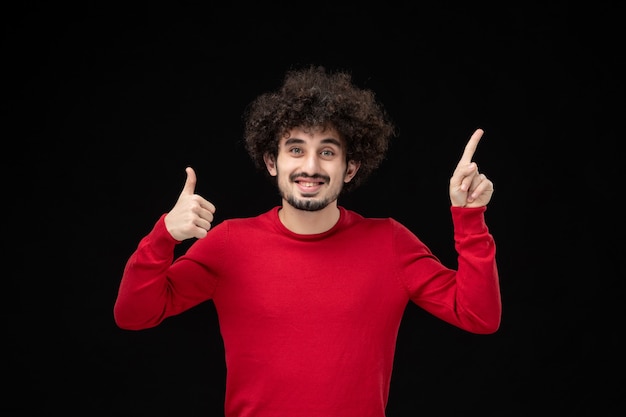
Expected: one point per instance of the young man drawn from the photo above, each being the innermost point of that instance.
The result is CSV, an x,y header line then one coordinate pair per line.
x,y
310,295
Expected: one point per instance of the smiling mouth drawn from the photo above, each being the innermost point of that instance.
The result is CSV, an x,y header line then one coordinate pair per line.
x,y
309,183
309,187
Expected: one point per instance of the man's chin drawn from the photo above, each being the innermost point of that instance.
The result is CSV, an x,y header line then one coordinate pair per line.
x,y
308,204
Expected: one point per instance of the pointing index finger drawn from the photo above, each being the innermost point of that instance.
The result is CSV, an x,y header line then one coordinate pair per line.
x,y
470,147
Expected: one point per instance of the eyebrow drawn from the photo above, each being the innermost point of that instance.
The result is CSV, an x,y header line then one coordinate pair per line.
x,y
331,141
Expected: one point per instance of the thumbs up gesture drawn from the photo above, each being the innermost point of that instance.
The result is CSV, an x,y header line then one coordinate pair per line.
x,y
192,215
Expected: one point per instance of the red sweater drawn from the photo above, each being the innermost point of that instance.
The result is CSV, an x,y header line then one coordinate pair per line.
x,y
309,322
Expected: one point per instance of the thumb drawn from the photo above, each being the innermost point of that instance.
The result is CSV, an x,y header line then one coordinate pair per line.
x,y
190,182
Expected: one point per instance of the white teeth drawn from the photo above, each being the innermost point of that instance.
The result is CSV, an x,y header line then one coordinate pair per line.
x,y
308,184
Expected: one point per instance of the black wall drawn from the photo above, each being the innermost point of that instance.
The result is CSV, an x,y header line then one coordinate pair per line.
x,y
103,107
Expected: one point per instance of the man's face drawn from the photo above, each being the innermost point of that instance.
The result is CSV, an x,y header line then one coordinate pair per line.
x,y
311,168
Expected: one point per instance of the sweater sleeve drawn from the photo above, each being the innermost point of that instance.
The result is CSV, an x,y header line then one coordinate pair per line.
x,y
478,292
468,297
148,293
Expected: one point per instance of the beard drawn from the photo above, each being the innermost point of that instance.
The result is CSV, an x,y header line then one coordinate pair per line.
x,y
308,204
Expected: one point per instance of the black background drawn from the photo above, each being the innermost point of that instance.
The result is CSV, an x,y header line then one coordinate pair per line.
x,y
103,106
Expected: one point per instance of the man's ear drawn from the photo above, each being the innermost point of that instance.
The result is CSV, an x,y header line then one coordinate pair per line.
x,y
270,164
353,167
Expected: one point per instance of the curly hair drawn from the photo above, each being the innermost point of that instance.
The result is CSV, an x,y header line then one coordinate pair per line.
x,y
315,98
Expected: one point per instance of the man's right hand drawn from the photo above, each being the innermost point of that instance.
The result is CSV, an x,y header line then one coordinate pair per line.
x,y
192,215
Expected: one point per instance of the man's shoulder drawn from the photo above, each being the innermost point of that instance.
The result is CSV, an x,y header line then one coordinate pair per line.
x,y
253,220
353,217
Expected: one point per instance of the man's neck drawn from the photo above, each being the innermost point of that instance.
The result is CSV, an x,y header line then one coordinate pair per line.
x,y
308,222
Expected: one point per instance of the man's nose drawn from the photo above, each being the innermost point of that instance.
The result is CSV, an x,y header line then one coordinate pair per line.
x,y
312,163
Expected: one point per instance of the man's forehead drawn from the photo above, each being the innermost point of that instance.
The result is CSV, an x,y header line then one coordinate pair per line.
x,y
326,135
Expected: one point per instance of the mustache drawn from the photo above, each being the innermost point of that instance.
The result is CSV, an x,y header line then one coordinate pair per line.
x,y
324,178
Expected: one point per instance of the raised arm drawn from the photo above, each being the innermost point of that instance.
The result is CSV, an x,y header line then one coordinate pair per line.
x,y
146,294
